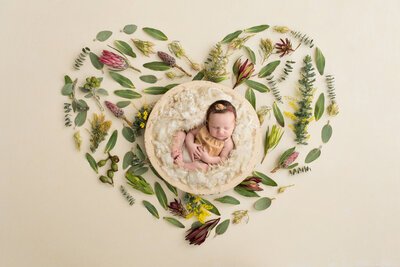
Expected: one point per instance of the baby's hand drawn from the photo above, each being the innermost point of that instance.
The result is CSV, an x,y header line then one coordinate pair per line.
x,y
203,155
193,150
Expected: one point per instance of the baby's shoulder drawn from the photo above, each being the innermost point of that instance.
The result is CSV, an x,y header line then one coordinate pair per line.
x,y
229,143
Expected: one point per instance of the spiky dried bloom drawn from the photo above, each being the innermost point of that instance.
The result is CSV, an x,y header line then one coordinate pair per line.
x,y
198,233
176,208
114,109
215,66
333,109
281,29
266,47
244,72
251,184
238,42
145,47
272,139
113,60
285,47
262,112
239,215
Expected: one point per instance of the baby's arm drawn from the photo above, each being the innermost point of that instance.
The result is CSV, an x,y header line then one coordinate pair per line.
x,y
191,146
228,147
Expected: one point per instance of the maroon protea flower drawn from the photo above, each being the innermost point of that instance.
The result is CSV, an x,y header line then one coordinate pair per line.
x,y
177,208
285,47
251,184
198,233
286,163
119,113
244,72
115,62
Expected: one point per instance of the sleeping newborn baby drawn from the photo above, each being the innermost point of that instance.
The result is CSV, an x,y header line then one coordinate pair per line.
x,y
208,143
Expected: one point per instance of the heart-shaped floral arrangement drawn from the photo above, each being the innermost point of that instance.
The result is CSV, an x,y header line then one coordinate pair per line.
x,y
291,61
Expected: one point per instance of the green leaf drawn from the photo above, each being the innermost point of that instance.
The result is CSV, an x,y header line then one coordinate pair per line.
x,y
222,227
127,132
172,85
326,133
125,48
231,36
196,224
127,94
151,209
92,162
84,90
251,54
67,79
157,34
320,61
265,179
214,209
162,198
155,90
111,141
319,107
251,97
88,95
244,192
174,221
95,61
278,115
256,29
313,155
128,158
235,68
268,69
157,66
67,89
262,203
228,200
102,91
286,154
139,153
122,80
199,76
123,104
257,86
80,118
103,35
129,29
148,78
170,187
140,171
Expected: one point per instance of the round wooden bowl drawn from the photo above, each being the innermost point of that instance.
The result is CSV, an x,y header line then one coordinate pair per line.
x,y
254,157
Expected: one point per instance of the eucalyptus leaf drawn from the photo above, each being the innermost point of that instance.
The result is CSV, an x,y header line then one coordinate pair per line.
x,y
251,97
252,55
84,90
92,162
148,78
95,61
88,95
172,85
278,115
82,103
257,86
214,209
320,60
319,107
123,104
122,80
268,69
127,132
174,221
235,68
228,200
111,142
313,155
125,48
157,34
157,66
162,198
199,76
156,173
102,91
67,79
127,94
155,90
103,35
129,29
139,153
262,203
326,133
151,209
67,89
140,171
244,192
256,29
80,118
127,161
265,179
231,36
222,227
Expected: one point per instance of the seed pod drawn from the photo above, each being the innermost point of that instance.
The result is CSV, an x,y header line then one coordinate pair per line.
x,y
115,159
103,179
110,174
101,163
114,166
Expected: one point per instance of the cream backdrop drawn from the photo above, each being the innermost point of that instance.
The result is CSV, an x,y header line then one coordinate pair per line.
x,y
54,212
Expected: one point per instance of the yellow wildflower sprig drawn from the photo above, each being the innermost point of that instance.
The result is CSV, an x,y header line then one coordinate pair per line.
x,y
99,131
141,119
196,207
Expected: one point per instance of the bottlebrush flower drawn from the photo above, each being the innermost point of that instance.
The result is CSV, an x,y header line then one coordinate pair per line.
x,y
198,234
115,62
170,60
251,184
244,72
119,113
266,47
285,47
286,160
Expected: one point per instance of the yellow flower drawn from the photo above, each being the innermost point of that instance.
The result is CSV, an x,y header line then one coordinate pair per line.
x,y
139,115
142,125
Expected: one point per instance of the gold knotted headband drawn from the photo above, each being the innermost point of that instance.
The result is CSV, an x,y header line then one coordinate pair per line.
x,y
220,107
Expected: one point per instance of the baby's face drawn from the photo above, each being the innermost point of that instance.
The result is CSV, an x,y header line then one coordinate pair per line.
x,y
221,125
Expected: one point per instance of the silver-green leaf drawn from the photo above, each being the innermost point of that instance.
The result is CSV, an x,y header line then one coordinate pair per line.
x,y
265,179
155,90
319,107
278,115
252,55
95,61
326,133
127,132
127,161
231,36
157,66
174,221
313,155
103,35
129,29
125,48
148,78
222,227
257,86
162,198
256,29
268,69
151,209
157,34
129,94
320,60
251,97
92,162
262,203
123,104
111,142
122,80
228,200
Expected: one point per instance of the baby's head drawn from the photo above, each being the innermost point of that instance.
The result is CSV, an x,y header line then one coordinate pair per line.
x,y
221,119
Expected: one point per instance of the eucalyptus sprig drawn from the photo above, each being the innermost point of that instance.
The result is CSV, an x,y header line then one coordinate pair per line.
x,y
92,88
272,139
215,66
176,48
